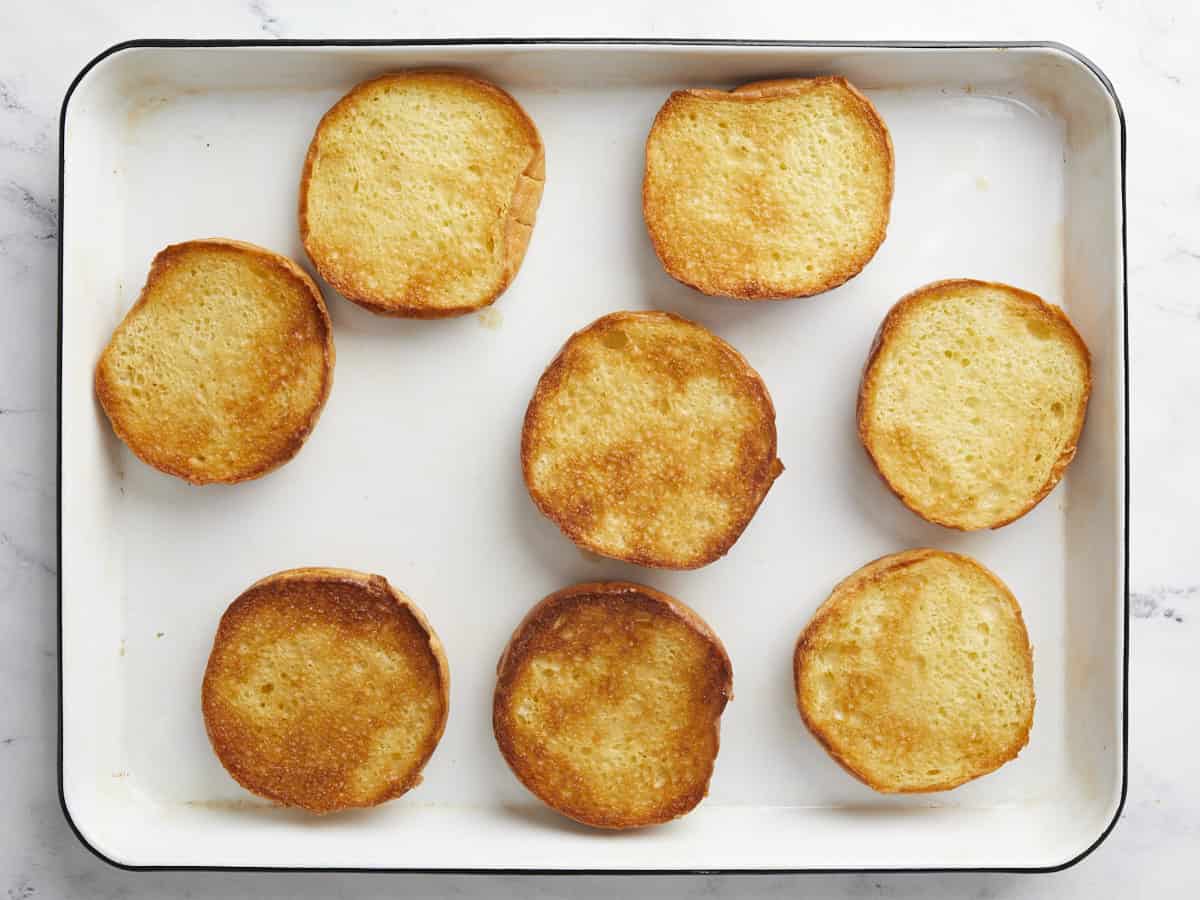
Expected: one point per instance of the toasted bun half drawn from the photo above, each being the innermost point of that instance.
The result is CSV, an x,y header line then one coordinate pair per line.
x,y
419,193
608,704
651,440
220,369
916,674
972,401
326,689
777,189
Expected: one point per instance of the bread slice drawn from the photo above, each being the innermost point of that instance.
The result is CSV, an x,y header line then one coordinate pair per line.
x,y
916,674
608,704
777,189
972,401
326,689
220,369
419,193
650,439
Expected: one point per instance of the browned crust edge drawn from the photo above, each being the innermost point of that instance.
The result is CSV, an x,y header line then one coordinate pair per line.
x,y
549,380
105,393
842,594
516,651
372,583
518,226
762,90
867,387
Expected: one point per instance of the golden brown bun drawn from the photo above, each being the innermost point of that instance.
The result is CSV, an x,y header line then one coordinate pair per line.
x,y
220,369
608,704
916,674
326,689
777,189
419,193
650,439
972,401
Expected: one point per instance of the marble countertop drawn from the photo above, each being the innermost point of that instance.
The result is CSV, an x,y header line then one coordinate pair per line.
x,y
1147,49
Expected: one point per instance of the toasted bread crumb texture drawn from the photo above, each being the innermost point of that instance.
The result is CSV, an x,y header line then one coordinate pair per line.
x,y
650,439
973,401
916,674
775,190
608,705
220,369
419,193
325,690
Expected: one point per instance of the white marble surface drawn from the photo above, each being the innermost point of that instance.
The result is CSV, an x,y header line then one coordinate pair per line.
x,y
1147,47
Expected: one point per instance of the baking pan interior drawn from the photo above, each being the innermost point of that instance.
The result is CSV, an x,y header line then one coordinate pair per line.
x,y
1008,167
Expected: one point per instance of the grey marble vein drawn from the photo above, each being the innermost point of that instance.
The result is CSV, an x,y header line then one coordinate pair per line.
x,y
39,143
1182,253
9,100
24,481
1178,311
25,555
1163,602
268,22
44,213
1153,61
21,129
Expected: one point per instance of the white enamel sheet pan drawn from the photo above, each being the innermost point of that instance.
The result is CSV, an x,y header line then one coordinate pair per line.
x,y
1009,167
